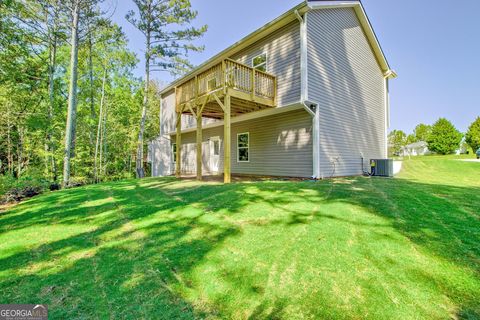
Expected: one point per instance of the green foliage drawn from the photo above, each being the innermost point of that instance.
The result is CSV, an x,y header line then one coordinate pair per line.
x,y
410,139
349,248
396,140
32,128
167,27
422,132
472,137
444,137
12,189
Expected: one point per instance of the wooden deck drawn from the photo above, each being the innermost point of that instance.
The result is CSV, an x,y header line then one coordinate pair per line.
x,y
250,90
227,89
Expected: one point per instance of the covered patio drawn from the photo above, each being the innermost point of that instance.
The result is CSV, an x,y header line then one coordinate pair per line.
x,y
227,89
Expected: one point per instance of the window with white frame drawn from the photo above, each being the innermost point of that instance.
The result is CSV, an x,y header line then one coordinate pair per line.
x,y
260,62
243,146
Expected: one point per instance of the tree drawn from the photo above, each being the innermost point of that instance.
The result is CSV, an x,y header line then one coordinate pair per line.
x,y
472,137
421,132
444,137
79,9
396,139
167,42
410,139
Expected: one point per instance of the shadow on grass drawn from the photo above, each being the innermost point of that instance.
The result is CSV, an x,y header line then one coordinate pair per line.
x,y
142,239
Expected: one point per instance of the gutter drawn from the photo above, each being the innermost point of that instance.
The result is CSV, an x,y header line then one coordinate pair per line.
x,y
237,46
309,106
389,74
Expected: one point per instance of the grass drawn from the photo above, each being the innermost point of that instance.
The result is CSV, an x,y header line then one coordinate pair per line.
x,y
350,248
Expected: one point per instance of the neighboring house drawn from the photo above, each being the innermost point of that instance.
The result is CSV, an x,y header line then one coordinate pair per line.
x,y
306,95
415,149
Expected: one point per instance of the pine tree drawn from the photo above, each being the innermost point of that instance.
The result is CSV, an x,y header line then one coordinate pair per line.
x,y
166,45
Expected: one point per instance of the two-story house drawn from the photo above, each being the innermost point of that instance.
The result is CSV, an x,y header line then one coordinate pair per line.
x,y
306,95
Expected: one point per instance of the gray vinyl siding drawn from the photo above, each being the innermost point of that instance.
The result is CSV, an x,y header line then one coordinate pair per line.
x,y
283,60
283,54
344,78
168,115
160,156
280,145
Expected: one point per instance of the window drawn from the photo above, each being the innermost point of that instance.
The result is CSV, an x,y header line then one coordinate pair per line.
x,y
174,151
216,147
212,84
260,62
243,143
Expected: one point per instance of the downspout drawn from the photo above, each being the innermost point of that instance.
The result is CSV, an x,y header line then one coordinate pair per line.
x,y
389,74
310,107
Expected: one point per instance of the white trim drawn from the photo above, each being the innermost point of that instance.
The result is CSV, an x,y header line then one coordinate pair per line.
x,y
212,156
386,97
316,145
305,41
253,37
332,4
281,21
303,56
365,23
248,116
247,147
316,171
265,63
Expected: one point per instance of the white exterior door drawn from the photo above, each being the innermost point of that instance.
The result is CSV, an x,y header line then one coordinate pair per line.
x,y
214,153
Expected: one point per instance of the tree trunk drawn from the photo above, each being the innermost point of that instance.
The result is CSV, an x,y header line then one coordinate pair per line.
x,y
72,97
104,141
51,101
102,99
9,146
19,152
139,161
92,100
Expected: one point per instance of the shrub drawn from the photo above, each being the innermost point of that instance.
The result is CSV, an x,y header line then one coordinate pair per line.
x,y
444,137
472,138
13,190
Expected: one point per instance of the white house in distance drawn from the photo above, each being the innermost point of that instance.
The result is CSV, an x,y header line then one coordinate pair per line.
x,y
415,149
306,95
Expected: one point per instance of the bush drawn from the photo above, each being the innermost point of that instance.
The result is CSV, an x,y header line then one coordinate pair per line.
x,y
444,137
13,190
472,138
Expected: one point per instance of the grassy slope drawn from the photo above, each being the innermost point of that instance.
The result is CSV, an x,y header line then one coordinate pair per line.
x,y
345,248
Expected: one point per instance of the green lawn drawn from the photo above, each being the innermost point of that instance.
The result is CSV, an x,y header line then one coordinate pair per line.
x,y
352,248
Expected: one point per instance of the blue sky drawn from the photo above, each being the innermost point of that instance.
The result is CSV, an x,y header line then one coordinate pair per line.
x,y
433,45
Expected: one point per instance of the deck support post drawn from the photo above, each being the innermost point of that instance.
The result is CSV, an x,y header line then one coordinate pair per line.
x,y
178,156
227,140
199,144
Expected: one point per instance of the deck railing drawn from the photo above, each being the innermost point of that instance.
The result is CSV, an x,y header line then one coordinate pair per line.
x,y
229,74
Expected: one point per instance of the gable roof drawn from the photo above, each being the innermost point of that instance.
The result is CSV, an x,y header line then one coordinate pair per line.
x,y
419,144
284,19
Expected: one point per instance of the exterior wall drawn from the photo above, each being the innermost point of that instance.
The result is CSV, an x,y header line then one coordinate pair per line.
x,y
280,145
160,156
283,60
345,80
168,115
